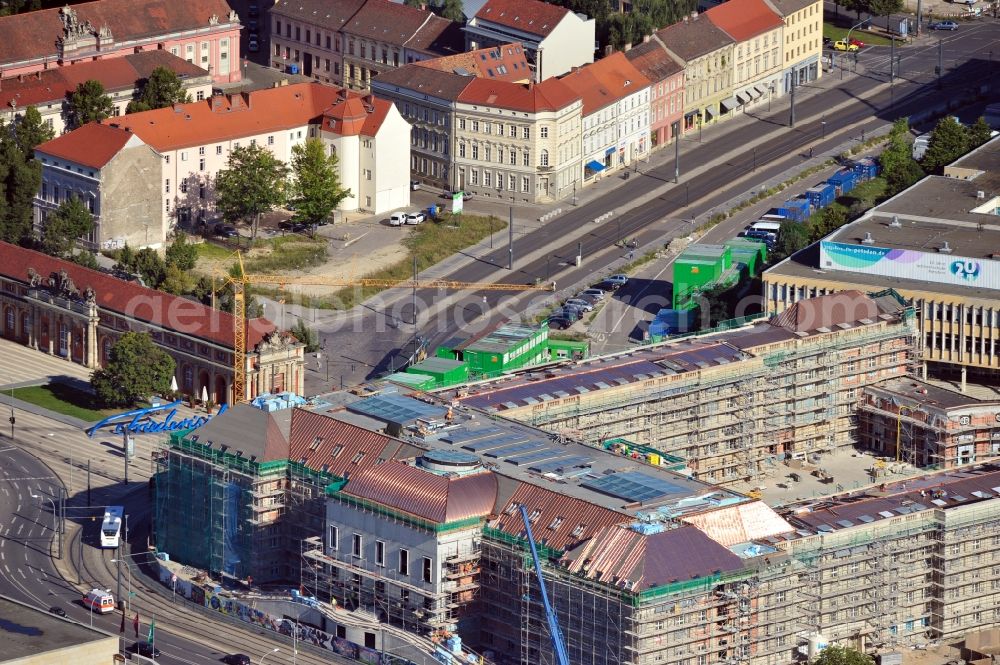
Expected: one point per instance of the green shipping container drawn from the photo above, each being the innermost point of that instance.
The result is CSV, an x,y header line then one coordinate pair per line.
x,y
415,381
697,266
750,253
509,347
444,372
560,349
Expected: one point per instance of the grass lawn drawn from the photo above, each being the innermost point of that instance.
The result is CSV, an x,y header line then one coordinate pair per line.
x,y
213,252
836,32
291,252
430,242
64,399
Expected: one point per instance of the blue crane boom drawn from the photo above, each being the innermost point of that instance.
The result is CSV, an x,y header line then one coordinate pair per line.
x,y
554,632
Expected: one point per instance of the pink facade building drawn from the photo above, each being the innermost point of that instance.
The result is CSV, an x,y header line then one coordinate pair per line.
x,y
206,33
666,99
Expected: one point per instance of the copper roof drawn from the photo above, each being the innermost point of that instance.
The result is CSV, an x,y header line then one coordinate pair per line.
x,y
634,561
323,443
561,521
433,497
742,523
827,311
167,311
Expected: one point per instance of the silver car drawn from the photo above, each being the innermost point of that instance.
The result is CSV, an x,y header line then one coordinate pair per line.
x,y
594,293
580,303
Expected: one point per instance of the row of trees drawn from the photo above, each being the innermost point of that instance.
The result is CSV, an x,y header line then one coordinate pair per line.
x,y
256,182
949,141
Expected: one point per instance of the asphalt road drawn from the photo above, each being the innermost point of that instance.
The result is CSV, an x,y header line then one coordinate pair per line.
x,y
362,346
29,574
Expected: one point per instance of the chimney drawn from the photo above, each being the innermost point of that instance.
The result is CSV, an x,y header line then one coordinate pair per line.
x,y
646,38
20,78
628,47
38,75
895,222
868,240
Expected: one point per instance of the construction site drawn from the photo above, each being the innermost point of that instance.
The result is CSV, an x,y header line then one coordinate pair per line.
x,y
731,404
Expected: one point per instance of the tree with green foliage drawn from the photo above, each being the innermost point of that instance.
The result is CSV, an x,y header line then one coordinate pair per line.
x,y
30,131
831,219
85,258
163,88
126,259
20,179
64,226
899,168
949,141
136,369
837,655
315,184
252,184
176,280
792,236
89,103
306,335
883,7
181,253
150,267
979,132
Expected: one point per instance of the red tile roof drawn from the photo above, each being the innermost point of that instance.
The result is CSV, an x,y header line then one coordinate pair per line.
x,y
531,16
427,495
316,437
169,312
653,61
92,145
33,34
486,63
605,81
744,19
549,95
54,85
562,522
438,36
387,22
231,117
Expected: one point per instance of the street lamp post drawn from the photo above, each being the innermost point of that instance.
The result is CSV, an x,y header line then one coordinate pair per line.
x,y
273,651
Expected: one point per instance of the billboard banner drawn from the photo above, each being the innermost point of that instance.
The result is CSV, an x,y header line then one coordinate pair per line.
x,y
457,203
909,264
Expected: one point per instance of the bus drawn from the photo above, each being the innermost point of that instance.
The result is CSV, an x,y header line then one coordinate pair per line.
x,y
111,527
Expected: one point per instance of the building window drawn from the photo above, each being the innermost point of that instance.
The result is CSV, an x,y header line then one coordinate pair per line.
x,y
404,562
218,150
544,158
461,150
270,140
526,158
201,164
525,132
525,183
475,151
166,186
333,534
543,132
513,157
379,553
356,543
428,573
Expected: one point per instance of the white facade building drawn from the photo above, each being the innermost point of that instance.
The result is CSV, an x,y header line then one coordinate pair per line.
x,y
616,128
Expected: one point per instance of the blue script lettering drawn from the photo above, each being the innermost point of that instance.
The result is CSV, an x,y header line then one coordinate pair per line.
x,y
139,421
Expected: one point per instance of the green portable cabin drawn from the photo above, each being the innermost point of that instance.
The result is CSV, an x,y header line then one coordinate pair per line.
x,y
696,267
414,381
560,349
508,347
750,253
444,372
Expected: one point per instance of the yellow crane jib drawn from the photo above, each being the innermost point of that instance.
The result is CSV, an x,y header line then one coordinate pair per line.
x,y
240,281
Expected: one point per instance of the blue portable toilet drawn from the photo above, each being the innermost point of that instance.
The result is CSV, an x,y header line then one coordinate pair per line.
x,y
866,168
433,210
293,69
843,181
821,195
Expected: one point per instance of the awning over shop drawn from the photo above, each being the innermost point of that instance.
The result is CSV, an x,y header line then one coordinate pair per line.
x,y
690,114
743,96
709,113
759,90
610,151
595,165
728,104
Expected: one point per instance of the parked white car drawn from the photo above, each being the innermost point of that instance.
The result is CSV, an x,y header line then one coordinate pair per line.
x,y
416,218
397,219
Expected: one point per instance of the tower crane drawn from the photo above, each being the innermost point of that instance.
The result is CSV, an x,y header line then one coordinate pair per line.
x,y
558,644
241,281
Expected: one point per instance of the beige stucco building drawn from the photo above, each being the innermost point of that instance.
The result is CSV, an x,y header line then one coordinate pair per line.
x,y
802,41
758,63
706,52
